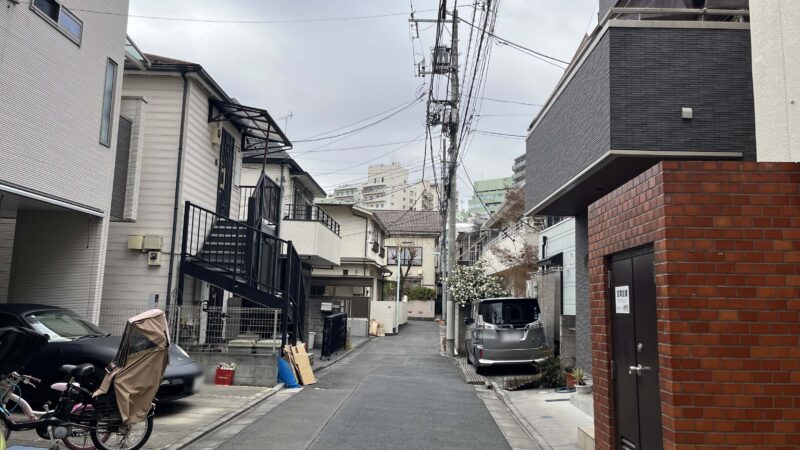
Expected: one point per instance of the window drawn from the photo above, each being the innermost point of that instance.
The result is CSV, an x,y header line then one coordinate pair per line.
x,y
407,255
120,186
60,17
516,312
108,103
61,325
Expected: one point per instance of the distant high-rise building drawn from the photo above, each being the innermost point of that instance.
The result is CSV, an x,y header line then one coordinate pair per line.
x,y
519,170
388,187
489,195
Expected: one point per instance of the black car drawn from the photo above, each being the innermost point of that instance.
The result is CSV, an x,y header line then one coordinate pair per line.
x,y
73,340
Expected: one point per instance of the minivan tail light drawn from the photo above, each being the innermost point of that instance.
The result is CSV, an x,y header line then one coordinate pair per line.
x,y
480,353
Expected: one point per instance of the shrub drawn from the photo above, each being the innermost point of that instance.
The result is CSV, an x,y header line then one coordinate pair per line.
x,y
421,293
551,374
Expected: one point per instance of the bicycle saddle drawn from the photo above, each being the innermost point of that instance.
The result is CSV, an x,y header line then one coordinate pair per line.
x,y
80,371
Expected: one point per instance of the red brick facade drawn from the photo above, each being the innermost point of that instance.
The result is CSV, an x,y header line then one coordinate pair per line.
x,y
726,237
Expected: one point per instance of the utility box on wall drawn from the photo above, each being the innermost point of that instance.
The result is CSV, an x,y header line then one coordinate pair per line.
x,y
153,258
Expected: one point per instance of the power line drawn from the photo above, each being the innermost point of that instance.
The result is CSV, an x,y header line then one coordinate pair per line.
x,y
406,103
249,22
502,115
505,41
413,166
377,157
510,101
359,147
475,66
496,133
364,127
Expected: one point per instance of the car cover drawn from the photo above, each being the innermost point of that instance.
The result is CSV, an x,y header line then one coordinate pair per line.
x,y
135,372
18,346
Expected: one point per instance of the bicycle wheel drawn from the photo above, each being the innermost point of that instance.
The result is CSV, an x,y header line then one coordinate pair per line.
x,y
79,437
122,437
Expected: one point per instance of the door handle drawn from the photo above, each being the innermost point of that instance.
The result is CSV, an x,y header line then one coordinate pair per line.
x,y
638,369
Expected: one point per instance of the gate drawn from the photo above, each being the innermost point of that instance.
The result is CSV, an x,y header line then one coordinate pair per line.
x,y
334,334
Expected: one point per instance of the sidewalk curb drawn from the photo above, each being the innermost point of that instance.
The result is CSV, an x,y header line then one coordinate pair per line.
x,y
210,428
521,420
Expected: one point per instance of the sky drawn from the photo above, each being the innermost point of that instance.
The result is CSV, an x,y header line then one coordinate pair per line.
x,y
318,76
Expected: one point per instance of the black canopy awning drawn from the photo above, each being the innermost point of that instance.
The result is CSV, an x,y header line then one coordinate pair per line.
x,y
260,131
555,260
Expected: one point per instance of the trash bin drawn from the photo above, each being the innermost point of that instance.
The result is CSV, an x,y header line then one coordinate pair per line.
x,y
224,377
311,336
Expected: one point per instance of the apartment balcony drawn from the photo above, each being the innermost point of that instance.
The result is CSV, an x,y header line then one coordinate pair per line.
x,y
374,189
314,234
650,84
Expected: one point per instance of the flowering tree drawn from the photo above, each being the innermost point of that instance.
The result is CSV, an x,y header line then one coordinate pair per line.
x,y
468,283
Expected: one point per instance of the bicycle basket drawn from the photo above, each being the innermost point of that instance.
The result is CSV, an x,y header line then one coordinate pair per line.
x,y
106,410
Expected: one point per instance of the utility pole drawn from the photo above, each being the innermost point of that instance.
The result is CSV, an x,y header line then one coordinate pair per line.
x,y
452,196
449,121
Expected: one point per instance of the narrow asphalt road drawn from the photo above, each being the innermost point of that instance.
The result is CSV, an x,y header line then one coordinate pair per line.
x,y
395,392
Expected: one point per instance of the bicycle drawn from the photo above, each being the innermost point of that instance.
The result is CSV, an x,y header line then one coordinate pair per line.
x,y
79,420
10,392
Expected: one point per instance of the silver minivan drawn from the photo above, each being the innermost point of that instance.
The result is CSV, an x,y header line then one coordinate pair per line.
x,y
504,331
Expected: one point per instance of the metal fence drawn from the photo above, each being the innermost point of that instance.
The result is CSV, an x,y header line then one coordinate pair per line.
x,y
231,329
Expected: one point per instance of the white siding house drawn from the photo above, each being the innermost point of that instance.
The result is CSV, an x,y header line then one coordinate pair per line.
x,y
363,255
312,231
60,81
175,157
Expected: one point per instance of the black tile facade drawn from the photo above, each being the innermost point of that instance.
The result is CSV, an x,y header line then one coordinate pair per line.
x,y
628,95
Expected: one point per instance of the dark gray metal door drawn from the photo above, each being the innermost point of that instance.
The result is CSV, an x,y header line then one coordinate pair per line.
x,y
225,183
635,345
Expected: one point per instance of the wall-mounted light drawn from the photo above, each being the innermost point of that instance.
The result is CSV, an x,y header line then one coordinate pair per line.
x,y
686,113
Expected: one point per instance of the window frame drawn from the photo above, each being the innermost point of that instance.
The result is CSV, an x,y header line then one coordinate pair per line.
x,y
111,108
417,261
77,40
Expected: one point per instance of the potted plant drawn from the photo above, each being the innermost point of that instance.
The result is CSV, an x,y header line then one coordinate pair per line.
x,y
581,385
568,378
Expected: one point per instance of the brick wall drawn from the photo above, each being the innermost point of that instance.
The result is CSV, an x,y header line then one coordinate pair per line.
x,y
726,237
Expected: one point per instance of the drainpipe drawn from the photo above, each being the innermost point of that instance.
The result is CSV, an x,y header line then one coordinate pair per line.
x,y
366,233
176,202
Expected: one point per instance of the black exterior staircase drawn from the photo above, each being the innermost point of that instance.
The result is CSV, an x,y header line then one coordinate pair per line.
x,y
246,259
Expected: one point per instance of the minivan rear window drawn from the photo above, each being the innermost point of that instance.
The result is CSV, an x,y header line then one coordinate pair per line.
x,y
509,312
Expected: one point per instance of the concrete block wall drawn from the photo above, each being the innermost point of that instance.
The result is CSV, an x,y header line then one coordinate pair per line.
x,y
251,370
726,237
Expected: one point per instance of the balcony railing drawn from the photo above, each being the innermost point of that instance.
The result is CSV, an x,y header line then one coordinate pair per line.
x,y
311,213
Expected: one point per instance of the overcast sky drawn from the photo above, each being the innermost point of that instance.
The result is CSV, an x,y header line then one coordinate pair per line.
x,y
330,74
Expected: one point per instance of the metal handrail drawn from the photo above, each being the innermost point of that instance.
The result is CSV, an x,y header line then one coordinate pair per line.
x,y
615,12
312,213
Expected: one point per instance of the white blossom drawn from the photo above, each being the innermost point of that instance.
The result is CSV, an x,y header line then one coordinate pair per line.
x,y
468,283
